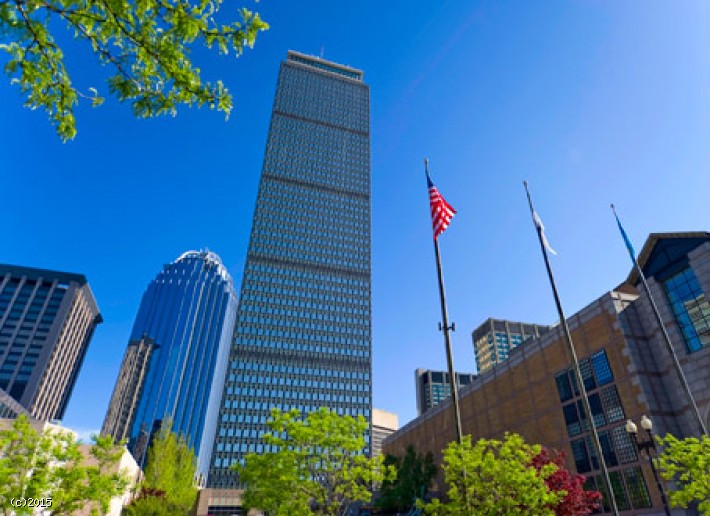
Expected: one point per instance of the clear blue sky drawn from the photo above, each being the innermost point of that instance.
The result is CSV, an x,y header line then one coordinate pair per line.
x,y
592,102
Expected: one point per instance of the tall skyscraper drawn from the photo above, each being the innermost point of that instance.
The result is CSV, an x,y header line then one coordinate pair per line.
x,y
176,360
47,319
303,333
495,338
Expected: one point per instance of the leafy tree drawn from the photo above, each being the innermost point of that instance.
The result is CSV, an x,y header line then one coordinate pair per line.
x,y
315,465
415,473
494,477
146,43
169,484
575,500
150,502
51,465
687,463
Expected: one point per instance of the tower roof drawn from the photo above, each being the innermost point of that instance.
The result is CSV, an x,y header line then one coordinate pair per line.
x,y
208,257
327,66
34,273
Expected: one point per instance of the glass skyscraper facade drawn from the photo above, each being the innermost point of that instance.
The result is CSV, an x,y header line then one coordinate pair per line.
x,y
177,357
303,333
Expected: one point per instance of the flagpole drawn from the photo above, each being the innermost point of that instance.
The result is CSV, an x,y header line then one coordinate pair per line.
x,y
664,332
445,327
575,361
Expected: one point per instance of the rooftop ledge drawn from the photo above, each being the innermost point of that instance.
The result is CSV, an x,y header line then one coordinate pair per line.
x,y
322,64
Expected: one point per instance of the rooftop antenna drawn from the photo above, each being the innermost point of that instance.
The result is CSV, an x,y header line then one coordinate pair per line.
x,y
322,51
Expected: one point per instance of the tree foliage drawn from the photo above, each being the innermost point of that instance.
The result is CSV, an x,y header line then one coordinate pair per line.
x,y
146,43
312,465
415,473
150,502
687,463
51,465
169,483
575,500
494,477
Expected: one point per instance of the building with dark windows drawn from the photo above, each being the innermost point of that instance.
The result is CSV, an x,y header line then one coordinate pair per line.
x,y
302,338
176,360
128,388
625,367
433,387
47,319
493,340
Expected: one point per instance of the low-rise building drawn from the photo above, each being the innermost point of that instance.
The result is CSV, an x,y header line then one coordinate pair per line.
x,y
383,424
220,502
626,369
9,407
126,464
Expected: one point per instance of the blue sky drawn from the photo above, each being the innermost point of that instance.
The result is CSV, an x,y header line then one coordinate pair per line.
x,y
591,102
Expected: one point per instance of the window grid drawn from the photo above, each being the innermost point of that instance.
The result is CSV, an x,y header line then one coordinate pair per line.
x,y
612,404
691,308
637,489
617,486
304,310
629,487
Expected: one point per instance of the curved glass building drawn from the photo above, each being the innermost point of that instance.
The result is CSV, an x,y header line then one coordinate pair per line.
x,y
177,357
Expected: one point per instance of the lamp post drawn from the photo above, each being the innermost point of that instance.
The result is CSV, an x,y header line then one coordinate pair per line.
x,y
648,445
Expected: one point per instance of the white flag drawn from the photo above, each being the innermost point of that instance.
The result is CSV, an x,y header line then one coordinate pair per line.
x,y
538,225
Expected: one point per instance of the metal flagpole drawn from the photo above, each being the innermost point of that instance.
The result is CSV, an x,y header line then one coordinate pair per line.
x,y
573,354
445,327
664,332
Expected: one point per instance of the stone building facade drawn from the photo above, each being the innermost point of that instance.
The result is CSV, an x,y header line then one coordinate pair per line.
x,y
625,367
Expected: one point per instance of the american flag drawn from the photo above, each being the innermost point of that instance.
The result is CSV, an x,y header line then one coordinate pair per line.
x,y
441,211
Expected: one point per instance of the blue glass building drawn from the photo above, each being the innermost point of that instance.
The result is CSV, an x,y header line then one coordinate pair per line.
x,y
177,357
303,332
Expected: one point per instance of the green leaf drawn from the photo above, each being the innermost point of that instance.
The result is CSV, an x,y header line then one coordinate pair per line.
x,y
687,463
147,43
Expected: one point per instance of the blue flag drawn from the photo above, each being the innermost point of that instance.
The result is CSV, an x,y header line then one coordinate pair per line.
x,y
632,253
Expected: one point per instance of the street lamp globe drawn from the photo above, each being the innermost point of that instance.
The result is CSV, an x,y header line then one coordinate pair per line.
x,y
646,423
631,427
